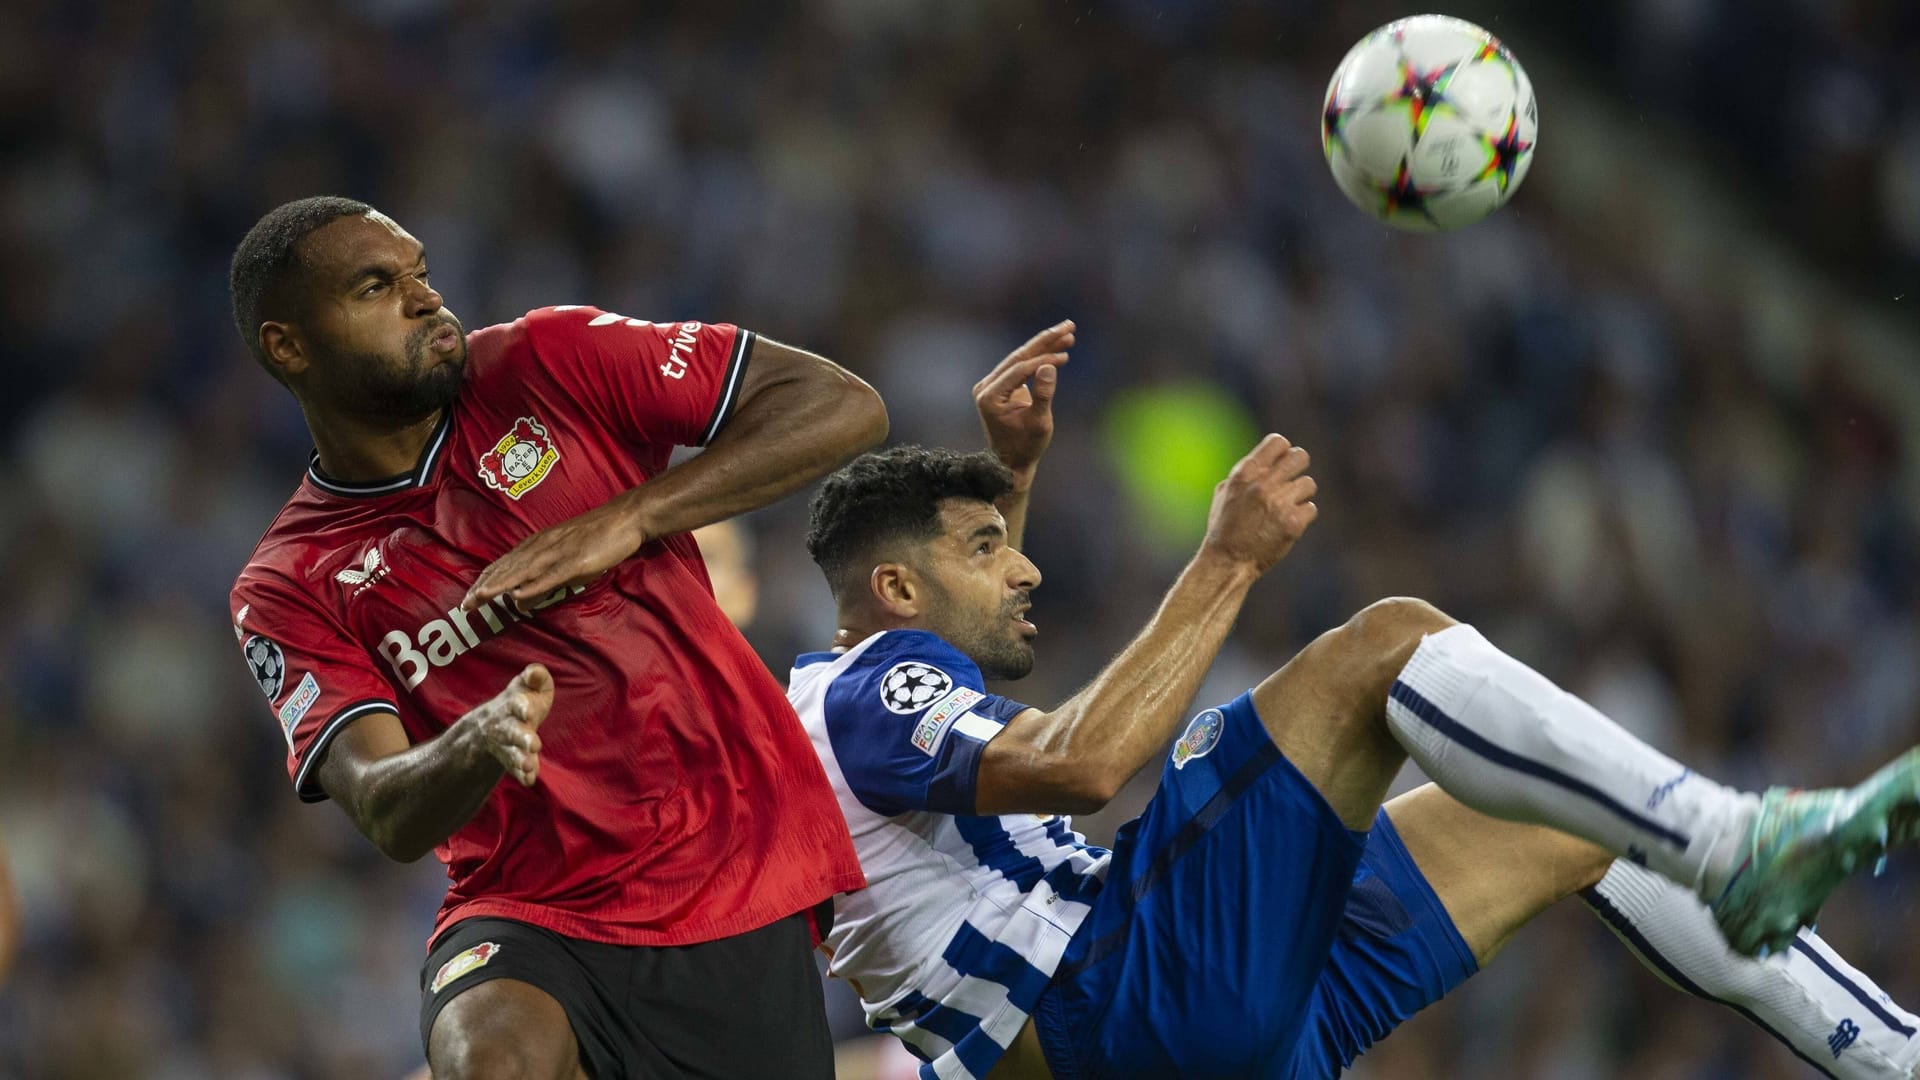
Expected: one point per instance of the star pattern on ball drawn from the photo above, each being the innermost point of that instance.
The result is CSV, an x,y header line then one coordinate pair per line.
x,y
1333,119
1403,196
1495,53
1504,153
1424,93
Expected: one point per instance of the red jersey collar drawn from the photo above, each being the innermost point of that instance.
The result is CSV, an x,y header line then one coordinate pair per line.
x,y
413,478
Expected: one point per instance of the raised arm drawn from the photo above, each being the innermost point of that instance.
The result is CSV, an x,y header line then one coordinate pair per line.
x,y
1074,758
1018,418
800,417
408,799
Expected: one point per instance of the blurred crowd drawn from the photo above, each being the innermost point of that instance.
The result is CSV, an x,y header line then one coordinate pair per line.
x,y
1810,105
1527,422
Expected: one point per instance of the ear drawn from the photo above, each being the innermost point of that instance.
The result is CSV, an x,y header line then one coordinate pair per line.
x,y
896,590
283,349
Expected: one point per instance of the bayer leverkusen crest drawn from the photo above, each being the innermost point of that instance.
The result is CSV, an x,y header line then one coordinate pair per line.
x,y
519,460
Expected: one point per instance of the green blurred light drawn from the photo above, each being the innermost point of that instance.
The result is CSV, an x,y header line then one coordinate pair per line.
x,y
1170,444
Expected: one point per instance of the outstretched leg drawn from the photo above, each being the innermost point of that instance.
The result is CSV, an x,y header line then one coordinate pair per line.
x,y
1325,708
1492,877
1504,740
1809,998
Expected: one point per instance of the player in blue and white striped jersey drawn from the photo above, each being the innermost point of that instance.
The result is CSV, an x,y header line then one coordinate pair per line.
x,y
1265,916
964,917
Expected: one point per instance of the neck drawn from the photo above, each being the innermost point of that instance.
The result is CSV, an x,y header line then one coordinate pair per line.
x,y
355,450
858,626
848,636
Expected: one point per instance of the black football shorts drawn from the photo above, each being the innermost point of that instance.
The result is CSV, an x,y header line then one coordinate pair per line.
x,y
744,1006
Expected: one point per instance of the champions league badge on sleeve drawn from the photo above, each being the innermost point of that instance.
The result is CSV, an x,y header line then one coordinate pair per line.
x,y
910,686
268,666
1201,736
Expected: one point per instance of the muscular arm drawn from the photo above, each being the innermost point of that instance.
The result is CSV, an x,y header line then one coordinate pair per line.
x,y
800,416
1013,507
1074,758
408,799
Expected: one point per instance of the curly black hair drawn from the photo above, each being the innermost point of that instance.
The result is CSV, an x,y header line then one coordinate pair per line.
x,y
265,262
888,495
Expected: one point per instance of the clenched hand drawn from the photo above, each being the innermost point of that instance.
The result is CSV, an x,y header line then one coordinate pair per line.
x,y
1263,505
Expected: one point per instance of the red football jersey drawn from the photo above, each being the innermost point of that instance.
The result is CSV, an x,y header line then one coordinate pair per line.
x,y
678,800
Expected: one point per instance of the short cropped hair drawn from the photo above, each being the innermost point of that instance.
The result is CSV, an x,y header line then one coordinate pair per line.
x,y
890,495
266,261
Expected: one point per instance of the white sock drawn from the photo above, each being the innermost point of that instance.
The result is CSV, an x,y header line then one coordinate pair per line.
x,y
1831,1015
1499,737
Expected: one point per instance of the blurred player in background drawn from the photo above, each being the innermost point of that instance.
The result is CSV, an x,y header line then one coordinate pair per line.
x,y
1265,915
727,551
487,572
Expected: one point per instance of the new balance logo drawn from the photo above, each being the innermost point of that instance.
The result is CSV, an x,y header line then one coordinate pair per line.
x,y
1660,793
1843,1037
371,569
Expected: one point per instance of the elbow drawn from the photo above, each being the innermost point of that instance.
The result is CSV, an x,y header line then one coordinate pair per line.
x,y
1088,790
400,851
867,415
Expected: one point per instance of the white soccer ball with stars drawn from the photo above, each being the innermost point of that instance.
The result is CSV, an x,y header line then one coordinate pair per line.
x,y
1429,123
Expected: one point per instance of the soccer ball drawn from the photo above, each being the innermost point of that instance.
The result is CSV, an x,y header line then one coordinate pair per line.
x,y
1429,123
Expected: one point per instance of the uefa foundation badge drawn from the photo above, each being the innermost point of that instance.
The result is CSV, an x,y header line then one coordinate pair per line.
x,y
520,460
1201,736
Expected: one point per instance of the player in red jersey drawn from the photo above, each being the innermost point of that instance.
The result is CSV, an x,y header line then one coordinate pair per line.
x,y
486,571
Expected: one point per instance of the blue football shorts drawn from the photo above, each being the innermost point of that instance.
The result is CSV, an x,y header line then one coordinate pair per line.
x,y
1243,931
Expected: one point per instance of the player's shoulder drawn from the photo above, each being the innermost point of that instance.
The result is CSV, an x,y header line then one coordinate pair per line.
x,y
531,345
891,647
288,538
904,672
563,321
301,536
498,349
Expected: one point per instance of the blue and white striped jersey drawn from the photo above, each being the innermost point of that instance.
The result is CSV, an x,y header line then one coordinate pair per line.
x,y
964,918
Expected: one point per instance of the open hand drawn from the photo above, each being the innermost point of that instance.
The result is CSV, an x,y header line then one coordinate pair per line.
x,y
506,727
574,552
1019,418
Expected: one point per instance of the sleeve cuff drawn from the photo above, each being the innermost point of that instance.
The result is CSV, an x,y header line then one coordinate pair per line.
x,y
953,789
730,384
318,747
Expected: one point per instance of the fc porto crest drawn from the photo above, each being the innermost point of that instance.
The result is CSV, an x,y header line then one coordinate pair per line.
x,y
1201,736
520,460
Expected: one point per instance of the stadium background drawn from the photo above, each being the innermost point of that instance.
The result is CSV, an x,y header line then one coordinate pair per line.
x,y
1651,426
